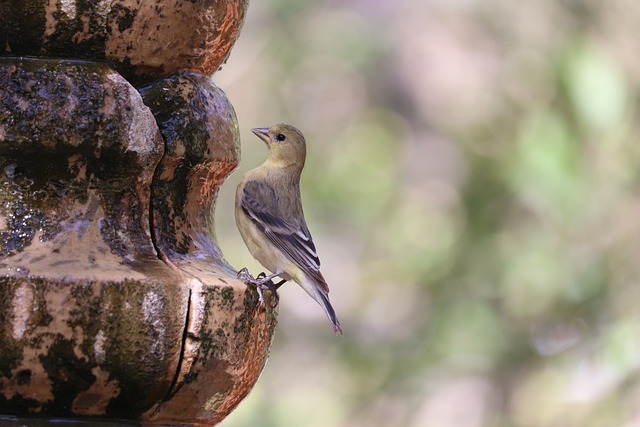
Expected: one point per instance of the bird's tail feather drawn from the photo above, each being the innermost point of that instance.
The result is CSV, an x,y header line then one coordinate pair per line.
x,y
317,292
331,314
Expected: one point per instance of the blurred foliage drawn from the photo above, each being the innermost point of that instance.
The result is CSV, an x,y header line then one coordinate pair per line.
x,y
472,186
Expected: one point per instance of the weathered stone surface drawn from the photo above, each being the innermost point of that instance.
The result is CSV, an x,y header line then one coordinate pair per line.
x,y
202,147
115,300
228,340
87,347
72,137
91,321
145,39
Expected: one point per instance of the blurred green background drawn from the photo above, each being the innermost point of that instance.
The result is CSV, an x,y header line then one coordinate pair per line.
x,y
472,184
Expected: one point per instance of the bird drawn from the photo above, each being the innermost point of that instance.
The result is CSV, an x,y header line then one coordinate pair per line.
x,y
270,218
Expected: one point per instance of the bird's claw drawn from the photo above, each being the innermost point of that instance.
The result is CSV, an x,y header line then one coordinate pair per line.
x,y
261,282
273,288
245,276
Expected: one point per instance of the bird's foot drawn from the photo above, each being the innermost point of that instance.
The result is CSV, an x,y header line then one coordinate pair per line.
x,y
262,282
271,287
245,276
263,279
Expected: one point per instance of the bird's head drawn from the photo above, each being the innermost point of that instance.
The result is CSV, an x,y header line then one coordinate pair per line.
x,y
286,144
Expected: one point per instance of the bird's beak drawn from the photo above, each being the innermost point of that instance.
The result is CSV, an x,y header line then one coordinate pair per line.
x,y
262,133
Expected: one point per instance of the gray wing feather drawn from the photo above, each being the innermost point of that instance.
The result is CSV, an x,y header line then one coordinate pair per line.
x,y
291,235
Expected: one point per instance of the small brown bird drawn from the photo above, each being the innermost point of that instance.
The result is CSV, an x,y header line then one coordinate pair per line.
x,y
270,218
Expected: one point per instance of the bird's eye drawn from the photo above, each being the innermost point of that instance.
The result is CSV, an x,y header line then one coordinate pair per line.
x,y
280,137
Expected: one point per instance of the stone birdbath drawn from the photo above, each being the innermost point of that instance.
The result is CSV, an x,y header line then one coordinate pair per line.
x,y
115,300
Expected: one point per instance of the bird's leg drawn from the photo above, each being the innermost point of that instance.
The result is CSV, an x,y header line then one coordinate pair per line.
x,y
261,282
260,295
264,280
248,279
272,287
259,277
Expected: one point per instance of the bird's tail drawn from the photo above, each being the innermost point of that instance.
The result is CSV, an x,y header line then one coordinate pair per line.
x,y
331,314
322,298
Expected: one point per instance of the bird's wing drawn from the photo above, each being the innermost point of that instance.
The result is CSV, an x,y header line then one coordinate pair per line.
x,y
290,235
